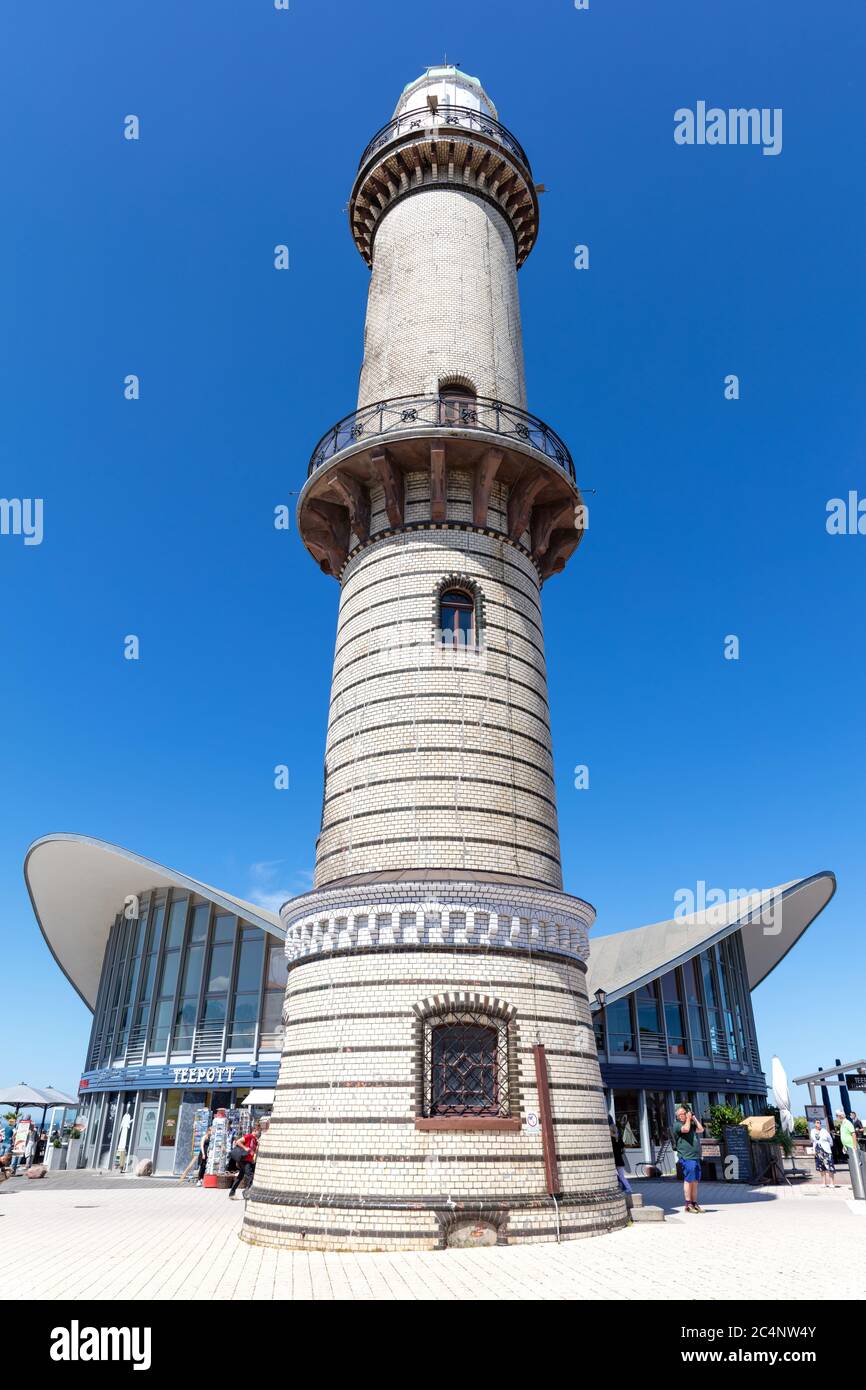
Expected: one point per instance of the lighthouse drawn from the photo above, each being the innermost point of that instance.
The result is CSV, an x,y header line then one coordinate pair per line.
x,y
439,1082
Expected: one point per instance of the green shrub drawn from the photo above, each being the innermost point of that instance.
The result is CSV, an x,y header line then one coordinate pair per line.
x,y
721,1115
801,1127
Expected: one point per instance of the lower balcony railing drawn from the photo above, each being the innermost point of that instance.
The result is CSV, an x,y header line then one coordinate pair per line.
x,y
422,413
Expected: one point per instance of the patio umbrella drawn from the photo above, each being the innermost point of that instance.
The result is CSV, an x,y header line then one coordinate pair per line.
x,y
783,1096
23,1095
782,1093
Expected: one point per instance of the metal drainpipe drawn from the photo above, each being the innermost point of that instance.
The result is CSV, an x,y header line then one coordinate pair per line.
x,y
548,1142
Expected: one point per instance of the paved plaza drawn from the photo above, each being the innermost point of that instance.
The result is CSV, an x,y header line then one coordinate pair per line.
x,y
85,1236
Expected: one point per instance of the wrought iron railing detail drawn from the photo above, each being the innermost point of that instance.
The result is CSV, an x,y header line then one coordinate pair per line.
x,y
422,413
460,117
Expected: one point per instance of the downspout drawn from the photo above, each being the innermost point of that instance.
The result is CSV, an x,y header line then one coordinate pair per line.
x,y
548,1141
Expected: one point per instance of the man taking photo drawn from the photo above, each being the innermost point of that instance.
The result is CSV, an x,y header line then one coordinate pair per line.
x,y
687,1132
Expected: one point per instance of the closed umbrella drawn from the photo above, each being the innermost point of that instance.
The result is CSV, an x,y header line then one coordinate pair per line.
x,y
782,1092
783,1096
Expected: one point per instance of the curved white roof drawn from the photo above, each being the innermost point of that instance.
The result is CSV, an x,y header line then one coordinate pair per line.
x,y
77,886
772,921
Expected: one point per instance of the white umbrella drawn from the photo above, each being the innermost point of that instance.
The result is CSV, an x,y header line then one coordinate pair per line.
x,y
58,1098
783,1096
30,1096
783,1101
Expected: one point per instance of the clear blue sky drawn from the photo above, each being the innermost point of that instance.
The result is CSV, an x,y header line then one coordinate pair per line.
x,y
708,517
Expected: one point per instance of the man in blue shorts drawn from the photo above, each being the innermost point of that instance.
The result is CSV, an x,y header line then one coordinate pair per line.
x,y
687,1132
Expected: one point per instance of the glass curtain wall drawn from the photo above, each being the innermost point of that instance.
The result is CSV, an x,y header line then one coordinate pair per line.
x,y
188,981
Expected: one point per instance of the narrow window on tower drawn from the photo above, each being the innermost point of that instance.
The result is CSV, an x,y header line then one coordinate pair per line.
x,y
457,404
457,618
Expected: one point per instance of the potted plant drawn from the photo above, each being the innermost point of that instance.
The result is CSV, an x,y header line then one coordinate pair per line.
x,y
75,1136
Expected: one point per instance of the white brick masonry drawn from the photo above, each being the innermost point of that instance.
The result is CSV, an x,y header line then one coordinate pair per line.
x,y
443,301
438,758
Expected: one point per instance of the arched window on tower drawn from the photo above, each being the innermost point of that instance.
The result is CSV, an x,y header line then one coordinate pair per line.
x,y
457,618
457,404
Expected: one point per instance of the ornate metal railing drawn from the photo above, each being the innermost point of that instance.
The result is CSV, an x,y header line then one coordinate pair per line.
x,y
463,117
441,412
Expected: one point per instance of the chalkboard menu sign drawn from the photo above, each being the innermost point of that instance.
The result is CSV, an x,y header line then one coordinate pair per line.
x,y
738,1145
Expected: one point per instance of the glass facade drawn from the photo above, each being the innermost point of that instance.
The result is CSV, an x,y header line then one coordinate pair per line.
x,y
680,1032
186,981
700,1011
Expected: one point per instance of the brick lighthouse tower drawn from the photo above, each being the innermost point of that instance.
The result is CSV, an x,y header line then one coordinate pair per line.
x,y
439,1081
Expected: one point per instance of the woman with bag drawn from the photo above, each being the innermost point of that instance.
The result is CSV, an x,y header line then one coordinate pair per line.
x,y
822,1148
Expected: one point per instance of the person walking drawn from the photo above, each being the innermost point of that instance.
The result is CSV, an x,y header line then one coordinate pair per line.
x,y
204,1145
687,1132
619,1158
822,1148
244,1155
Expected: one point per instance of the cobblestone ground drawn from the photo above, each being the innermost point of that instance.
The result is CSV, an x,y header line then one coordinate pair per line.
x,y
81,1236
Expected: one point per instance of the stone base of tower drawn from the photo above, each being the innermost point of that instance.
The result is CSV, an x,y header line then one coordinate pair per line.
x,y
362,1154
428,1227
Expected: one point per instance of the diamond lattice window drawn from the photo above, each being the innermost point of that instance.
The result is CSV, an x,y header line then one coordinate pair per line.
x,y
465,1065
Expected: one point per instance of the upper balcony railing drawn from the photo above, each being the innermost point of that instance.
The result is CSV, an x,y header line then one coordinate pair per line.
x,y
457,413
462,117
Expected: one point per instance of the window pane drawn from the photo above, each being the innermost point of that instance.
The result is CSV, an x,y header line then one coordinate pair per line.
x,y
168,982
220,968
198,922
156,926
699,1030
278,965
224,927
176,922
215,1012
192,970
620,1034
708,982
243,1029
184,1025
150,971
272,1011
161,1025
250,964
691,983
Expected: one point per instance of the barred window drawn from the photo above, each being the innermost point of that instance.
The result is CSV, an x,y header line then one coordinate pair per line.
x,y
464,1067
467,1059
